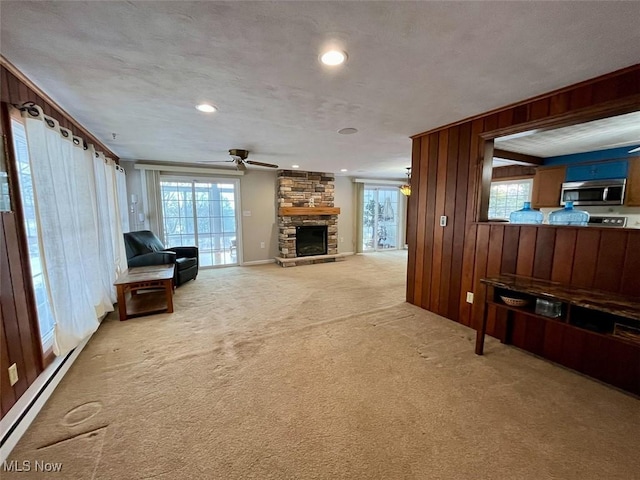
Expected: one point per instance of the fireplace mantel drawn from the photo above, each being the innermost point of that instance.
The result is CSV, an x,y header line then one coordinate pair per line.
x,y
299,211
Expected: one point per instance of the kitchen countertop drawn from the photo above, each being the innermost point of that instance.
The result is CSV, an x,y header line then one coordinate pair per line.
x,y
546,225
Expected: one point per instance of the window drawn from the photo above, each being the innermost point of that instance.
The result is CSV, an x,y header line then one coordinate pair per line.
x,y
508,196
45,318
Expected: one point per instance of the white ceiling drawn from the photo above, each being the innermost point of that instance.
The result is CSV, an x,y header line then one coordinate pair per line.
x,y
138,68
612,132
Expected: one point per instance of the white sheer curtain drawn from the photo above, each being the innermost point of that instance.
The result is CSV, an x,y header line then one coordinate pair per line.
x,y
79,227
121,187
153,201
107,255
94,259
115,226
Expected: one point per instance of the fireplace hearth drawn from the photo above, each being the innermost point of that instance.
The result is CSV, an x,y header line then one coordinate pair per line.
x,y
311,240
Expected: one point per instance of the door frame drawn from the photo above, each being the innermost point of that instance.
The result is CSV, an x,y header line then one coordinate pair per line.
x,y
401,215
177,177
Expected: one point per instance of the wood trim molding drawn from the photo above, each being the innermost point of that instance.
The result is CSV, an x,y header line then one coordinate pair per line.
x,y
517,157
589,113
292,211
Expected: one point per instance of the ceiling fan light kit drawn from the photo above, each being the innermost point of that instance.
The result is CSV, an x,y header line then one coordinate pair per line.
x,y
242,162
240,159
237,152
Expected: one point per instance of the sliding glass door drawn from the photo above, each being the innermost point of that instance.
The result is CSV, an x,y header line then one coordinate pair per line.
x,y
380,218
204,213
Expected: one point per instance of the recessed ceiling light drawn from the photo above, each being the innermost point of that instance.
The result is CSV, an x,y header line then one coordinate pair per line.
x,y
295,166
205,107
347,131
343,169
333,58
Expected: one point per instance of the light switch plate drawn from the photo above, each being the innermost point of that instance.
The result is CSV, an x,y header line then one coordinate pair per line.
x,y
443,221
469,297
13,374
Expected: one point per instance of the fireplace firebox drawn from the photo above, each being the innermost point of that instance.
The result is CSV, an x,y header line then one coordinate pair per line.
x,y
311,240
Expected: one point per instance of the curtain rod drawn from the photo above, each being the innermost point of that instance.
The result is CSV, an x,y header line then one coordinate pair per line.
x,y
187,169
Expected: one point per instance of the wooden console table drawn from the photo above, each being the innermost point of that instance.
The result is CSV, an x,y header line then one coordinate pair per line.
x,y
145,290
608,323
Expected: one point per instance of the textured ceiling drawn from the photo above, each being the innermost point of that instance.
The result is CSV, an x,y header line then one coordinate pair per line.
x,y
613,132
138,68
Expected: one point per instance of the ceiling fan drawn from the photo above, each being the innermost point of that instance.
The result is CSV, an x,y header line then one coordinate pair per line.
x,y
240,159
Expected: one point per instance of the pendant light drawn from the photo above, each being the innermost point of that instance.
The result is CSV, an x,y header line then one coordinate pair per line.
x,y
406,188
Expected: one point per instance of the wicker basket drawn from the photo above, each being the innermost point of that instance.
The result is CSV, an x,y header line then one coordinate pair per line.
x,y
514,302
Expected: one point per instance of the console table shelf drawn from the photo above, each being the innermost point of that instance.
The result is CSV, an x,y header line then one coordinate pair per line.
x,y
583,297
606,326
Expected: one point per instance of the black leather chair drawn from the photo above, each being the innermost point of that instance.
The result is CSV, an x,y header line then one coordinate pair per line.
x,y
144,248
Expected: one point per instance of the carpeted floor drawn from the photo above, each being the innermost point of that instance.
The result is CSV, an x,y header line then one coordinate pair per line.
x,y
322,372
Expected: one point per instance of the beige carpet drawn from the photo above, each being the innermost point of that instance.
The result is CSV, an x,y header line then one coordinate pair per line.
x,y
322,372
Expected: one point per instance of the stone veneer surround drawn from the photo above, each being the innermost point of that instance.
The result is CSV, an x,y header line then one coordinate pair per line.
x,y
296,189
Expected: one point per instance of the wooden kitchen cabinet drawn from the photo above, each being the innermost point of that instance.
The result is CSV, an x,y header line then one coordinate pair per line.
x,y
632,194
547,184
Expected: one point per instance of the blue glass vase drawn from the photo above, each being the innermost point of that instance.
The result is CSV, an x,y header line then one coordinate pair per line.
x,y
526,215
569,216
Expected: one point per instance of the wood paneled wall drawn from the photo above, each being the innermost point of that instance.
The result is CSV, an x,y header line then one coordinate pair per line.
x,y
569,255
20,342
16,90
448,170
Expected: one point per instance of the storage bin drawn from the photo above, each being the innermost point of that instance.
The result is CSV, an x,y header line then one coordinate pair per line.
x,y
548,308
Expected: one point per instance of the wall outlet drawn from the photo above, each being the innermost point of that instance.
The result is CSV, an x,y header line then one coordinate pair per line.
x,y
443,221
469,297
246,213
341,239
13,374
261,244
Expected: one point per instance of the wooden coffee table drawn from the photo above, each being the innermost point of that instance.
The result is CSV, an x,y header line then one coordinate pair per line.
x,y
145,290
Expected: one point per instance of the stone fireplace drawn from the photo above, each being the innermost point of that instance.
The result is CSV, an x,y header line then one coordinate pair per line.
x,y
305,208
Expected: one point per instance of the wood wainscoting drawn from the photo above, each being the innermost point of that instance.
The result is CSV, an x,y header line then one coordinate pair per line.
x,y
451,174
589,257
605,259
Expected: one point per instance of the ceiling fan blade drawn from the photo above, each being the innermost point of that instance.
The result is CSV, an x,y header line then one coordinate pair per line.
x,y
216,161
241,166
260,164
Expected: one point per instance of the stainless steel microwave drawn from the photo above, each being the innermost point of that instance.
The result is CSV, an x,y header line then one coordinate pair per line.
x,y
594,192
